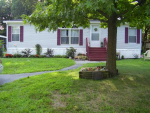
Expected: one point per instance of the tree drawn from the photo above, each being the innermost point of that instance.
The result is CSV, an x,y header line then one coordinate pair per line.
x,y
20,7
5,13
112,13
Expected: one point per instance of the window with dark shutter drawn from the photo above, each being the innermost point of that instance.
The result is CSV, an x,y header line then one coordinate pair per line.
x,y
9,33
126,34
21,33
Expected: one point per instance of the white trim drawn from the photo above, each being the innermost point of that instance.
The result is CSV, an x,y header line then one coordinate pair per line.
x,y
3,36
69,35
91,28
7,22
132,35
15,33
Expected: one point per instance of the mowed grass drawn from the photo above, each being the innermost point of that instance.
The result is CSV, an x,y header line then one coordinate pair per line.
x,y
64,92
29,65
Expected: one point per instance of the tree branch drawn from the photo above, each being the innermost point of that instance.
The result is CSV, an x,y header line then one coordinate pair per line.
x,y
102,13
102,20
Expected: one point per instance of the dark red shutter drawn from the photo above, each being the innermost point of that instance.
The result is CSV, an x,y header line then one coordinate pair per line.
x,y
81,37
58,36
138,36
126,34
21,33
9,34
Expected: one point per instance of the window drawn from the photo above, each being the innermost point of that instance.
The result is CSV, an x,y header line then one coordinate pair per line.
x,y
132,35
69,36
64,36
95,33
74,36
15,33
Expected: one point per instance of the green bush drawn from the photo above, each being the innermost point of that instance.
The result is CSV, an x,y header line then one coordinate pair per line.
x,y
71,52
17,56
26,52
122,57
38,49
60,56
42,56
49,52
32,56
117,58
1,48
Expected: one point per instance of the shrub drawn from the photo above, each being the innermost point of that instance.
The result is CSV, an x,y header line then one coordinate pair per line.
x,y
49,52
1,48
42,56
117,58
136,56
38,49
122,57
32,56
81,57
60,56
102,45
26,52
17,55
64,56
37,56
71,52
80,54
8,55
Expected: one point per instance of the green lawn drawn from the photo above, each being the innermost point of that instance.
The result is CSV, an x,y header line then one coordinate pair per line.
x,y
64,92
28,65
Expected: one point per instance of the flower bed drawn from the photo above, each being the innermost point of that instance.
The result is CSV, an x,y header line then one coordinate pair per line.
x,y
8,55
95,73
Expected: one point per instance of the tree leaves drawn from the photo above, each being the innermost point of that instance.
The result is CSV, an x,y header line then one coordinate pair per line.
x,y
58,13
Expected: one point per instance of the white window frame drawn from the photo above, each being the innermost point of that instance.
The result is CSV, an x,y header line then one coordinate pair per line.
x,y
78,36
69,35
15,33
132,35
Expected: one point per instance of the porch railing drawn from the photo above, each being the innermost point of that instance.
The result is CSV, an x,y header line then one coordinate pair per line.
x,y
105,42
87,47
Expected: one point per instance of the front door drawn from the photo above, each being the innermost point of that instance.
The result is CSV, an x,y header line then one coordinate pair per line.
x,y
95,37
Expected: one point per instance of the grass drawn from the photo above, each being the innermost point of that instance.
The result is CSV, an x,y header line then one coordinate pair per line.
x,y
64,92
29,65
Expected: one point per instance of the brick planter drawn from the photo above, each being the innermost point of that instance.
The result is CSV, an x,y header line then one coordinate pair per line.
x,y
95,75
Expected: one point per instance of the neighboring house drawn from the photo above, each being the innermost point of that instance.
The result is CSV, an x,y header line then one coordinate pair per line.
x,y
24,36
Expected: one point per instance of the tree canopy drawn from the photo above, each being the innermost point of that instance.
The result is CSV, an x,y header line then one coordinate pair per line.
x,y
67,12
5,14
20,7
52,14
5,10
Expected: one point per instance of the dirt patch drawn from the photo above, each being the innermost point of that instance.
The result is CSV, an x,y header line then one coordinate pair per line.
x,y
58,100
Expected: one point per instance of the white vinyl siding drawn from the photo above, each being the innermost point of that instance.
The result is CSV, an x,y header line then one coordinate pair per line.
x,y
121,39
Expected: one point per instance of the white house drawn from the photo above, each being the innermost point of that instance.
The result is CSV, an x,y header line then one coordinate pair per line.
x,y
24,36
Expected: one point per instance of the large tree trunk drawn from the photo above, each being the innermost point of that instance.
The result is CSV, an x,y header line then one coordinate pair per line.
x,y
111,49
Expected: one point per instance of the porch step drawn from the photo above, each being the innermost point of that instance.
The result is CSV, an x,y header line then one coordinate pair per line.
x,y
98,59
97,54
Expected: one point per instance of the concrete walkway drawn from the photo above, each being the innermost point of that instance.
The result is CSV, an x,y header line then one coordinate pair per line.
x,y
6,78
